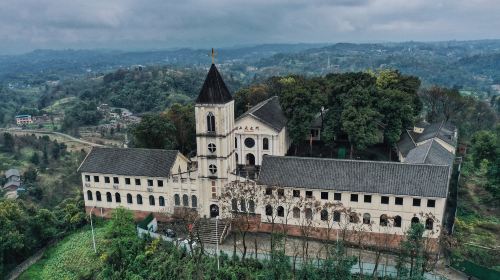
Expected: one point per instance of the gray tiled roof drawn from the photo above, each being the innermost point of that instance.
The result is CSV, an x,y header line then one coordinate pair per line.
x,y
132,162
405,143
442,130
12,172
355,176
430,152
269,112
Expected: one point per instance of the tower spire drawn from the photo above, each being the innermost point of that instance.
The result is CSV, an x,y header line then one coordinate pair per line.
x,y
213,54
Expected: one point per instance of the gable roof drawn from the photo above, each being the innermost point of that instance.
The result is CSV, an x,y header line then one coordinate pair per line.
x,y
430,152
442,130
129,162
269,112
355,176
12,172
405,143
214,90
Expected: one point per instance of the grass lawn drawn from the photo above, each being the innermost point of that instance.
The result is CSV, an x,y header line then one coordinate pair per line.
x,y
71,258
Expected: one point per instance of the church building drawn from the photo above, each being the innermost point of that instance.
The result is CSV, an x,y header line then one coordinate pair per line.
x,y
381,198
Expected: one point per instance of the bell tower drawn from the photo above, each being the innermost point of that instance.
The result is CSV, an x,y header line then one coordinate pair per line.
x,y
214,113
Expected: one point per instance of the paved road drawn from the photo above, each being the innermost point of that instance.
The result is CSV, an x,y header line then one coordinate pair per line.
x,y
69,137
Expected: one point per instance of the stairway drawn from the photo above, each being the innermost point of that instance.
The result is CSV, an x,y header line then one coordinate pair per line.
x,y
205,228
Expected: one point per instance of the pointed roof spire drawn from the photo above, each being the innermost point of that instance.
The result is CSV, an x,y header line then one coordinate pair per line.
x,y
214,90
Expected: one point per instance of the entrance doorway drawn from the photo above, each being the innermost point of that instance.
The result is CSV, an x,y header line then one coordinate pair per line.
x,y
250,159
214,211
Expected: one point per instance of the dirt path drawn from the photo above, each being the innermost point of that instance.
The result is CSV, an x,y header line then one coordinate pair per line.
x,y
73,143
14,274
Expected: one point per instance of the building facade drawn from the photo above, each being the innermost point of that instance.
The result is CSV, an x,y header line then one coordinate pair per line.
x,y
331,195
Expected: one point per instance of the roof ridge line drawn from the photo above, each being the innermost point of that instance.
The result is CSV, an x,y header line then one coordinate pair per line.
x,y
353,160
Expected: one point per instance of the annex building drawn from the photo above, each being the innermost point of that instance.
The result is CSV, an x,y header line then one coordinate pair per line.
x,y
379,198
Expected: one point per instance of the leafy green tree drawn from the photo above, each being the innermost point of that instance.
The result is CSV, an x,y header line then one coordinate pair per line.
x,y
8,142
484,146
183,119
155,131
410,262
35,158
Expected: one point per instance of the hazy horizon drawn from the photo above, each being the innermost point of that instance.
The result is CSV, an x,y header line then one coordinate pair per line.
x,y
26,25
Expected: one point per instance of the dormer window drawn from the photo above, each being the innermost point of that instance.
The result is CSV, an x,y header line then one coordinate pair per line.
x,y
210,122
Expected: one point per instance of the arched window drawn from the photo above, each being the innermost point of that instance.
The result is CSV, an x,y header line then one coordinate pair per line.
x,y
324,215
129,198
383,220
212,168
296,213
243,205
98,195
397,221
139,199
415,220
366,218
251,206
336,216
235,142
118,198
194,201
281,211
161,201
177,200
265,144
151,200
185,200
269,210
89,195
353,217
212,148
234,204
109,197
429,224
309,213
210,122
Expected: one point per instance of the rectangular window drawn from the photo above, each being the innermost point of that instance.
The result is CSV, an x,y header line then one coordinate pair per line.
x,y
416,202
160,183
368,198
296,193
116,180
309,194
399,201
106,180
87,178
127,181
324,195
354,197
150,183
269,191
337,196
137,182
384,200
281,192
96,179
431,203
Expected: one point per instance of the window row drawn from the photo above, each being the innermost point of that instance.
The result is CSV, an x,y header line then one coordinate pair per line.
x,y
152,199
128,181
367,198
250,143
353,217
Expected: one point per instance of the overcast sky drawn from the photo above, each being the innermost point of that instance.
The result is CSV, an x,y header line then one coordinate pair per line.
x,y
145,24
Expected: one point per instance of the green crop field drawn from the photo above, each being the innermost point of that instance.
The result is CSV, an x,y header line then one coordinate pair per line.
x,y
71,258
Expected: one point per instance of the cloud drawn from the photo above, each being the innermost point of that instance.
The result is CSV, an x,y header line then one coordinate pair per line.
x,y
29,24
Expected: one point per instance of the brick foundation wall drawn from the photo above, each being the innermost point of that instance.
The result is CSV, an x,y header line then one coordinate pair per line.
x,y
138,215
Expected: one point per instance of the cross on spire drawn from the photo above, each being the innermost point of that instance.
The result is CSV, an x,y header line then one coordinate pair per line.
x,y
213,54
